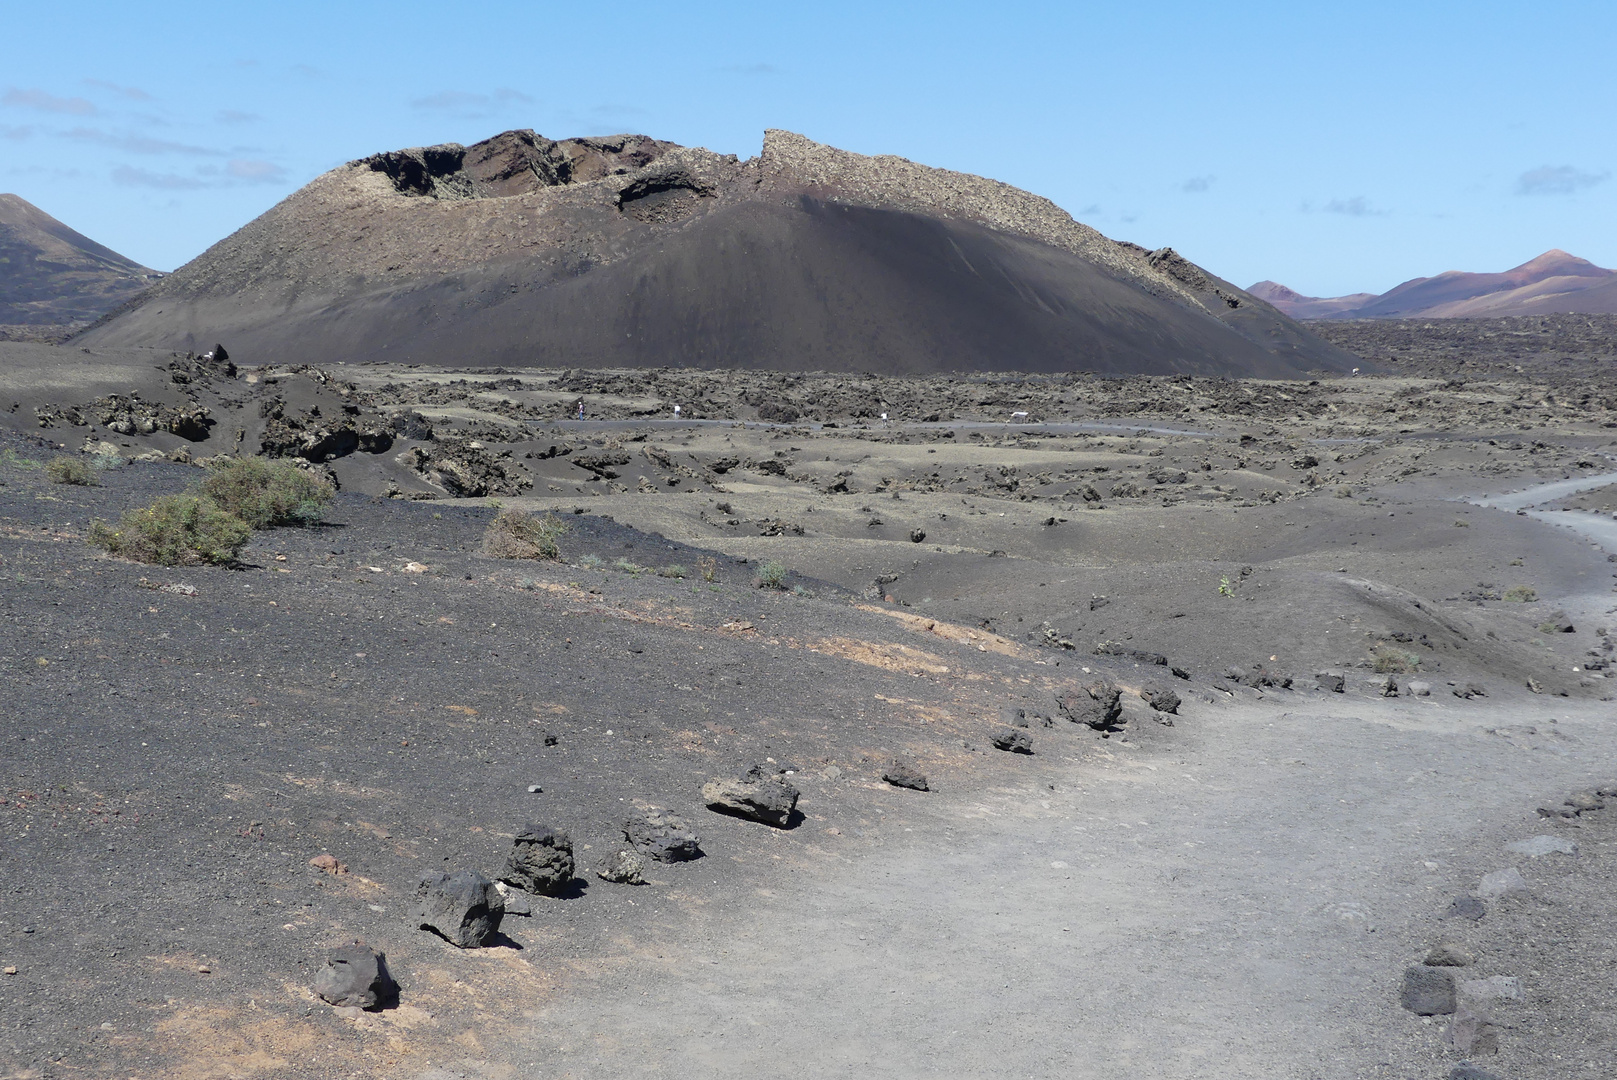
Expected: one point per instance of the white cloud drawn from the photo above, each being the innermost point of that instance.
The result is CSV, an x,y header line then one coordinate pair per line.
x,y
1356,206
1557,180
39,99
134,93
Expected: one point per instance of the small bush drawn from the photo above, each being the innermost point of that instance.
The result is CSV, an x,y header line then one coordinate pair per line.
x,y
175,530
674,571
514,534
591,562
1391,661
266,493
71,470
772,575
709,568
1521,594
628,566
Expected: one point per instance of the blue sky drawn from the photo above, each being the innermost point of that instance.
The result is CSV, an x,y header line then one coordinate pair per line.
x,y
1332,147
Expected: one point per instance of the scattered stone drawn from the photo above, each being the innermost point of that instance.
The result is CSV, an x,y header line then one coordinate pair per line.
x,y
1428,991
1013,717
1418,688
757,797
622,867
832,772
1389,687
516,903
1501,884
1333,682
902,775
1536,846
1448,954
1466,907
541,861
917,535
1014,740
329,864
1165,701
1586,800
1467,1071
1471,1034
462,907
534,789
355,976
659,835
1099,705
1470,690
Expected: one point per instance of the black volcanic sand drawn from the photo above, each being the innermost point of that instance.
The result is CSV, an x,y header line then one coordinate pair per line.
x,y
1235,894
812,285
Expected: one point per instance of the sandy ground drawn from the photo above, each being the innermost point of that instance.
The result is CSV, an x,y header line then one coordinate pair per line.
x,y
1240,902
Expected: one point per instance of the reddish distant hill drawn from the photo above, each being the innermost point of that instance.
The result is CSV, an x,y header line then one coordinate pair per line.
x,y
1553,282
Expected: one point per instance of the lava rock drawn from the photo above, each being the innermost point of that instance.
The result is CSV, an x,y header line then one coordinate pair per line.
x,y
1467,1071
1586,800
1165,701
355,976
1448,954
1417,688
623,867
658,835
905,776
1428,991
1502,883
1466,907
1013,717
1389,688
1013,740
1470,690
1470,1033
1098,705
541,861
1333,682
462,907
758,798
917,535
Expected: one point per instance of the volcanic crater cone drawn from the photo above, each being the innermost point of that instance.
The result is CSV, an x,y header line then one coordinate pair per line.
x,y
625,251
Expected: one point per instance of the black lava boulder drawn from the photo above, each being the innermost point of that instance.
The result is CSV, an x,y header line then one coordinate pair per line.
x,y
463,907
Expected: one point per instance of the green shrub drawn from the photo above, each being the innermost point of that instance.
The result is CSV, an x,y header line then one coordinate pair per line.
x,y
674,571
772,575
1391,661
71,470
266,493
628,566
591,562
1521,594
175,530
516,534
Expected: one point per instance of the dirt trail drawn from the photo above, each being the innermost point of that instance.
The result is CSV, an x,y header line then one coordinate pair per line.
x,y
1239,902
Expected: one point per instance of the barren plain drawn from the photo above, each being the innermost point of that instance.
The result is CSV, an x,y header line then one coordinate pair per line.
x,y
1238,888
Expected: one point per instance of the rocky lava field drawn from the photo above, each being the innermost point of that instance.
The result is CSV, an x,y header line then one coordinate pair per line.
x,y
1347,817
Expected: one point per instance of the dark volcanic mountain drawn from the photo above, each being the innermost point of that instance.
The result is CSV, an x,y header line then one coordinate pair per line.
x,y
51,275
626,251
1552,283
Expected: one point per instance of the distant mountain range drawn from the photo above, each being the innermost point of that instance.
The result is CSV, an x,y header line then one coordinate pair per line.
x,y
1553,282
53,276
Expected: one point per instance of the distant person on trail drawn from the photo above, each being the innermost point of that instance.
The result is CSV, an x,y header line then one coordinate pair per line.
x,y
581,408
